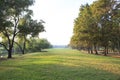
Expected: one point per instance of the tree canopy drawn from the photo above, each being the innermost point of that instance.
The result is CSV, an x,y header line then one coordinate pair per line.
x,y
16,22
97,26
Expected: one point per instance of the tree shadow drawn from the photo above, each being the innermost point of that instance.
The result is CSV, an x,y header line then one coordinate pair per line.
x,y
58,72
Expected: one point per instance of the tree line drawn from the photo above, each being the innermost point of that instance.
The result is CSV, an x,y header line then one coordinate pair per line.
x,y
17,25
97,27
32,45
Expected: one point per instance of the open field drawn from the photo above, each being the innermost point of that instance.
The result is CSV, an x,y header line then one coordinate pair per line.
x,y
60,64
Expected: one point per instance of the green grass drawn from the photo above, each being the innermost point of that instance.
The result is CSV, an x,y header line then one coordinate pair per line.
x,y
60,64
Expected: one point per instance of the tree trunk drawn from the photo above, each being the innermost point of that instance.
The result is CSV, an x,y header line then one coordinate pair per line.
x,y
24,45
88,50
91,51
95,48
105,51
96,52
118,47
10,53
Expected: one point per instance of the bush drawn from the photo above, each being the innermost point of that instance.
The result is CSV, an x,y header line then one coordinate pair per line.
x,y
37,45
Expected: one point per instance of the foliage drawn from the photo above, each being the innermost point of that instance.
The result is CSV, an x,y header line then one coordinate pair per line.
x,y
28,27
10,14
37,45
97,25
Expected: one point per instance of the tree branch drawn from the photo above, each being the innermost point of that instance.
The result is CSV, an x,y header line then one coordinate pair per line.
x,y
19,46
6,34
16,19
4,45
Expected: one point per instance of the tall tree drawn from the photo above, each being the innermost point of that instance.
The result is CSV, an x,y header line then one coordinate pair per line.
x,y
97,25
11,12
101,10
84,28
115,17
28,27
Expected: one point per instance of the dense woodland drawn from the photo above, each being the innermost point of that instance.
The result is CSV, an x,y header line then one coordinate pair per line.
x,y
97,27
17,26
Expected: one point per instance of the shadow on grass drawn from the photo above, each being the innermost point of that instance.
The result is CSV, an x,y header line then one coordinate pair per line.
x,y
56,72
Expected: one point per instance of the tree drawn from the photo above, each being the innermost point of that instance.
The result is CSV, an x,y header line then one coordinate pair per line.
x,y
101,10
28,27
115,17
97,25
85,27
36,44
11,12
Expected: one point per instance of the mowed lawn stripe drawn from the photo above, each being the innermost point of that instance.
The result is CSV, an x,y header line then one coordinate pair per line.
x,y
60,64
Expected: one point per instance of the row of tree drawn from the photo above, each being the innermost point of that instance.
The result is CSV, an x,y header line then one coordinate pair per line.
x,y
32,45
16,24
98,26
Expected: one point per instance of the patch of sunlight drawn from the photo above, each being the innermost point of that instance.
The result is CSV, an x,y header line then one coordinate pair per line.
x,y
44,62
96,63
110,67
71,64
113,68
43,57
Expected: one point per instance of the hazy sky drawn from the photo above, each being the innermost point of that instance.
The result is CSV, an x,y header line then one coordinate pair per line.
x,y
59,16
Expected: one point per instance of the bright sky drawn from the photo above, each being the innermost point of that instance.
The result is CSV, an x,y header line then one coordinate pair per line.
x,y
59,16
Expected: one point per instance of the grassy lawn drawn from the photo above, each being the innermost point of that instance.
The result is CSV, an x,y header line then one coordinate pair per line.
x,y
60,64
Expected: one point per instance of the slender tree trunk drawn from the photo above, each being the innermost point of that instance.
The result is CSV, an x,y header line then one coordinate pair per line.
x,y
20,47
113,49
89,50
24,45
118,47
23,50
105,51
95,48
